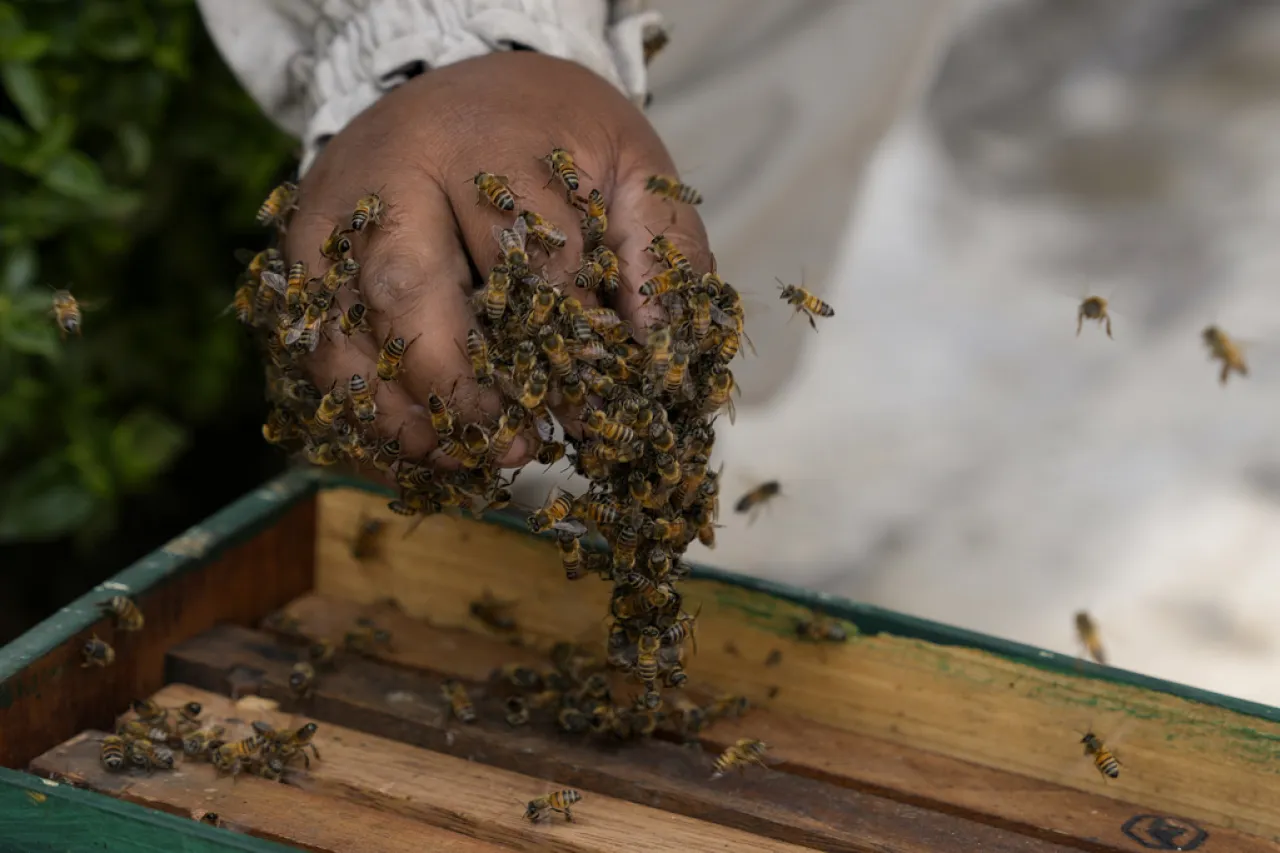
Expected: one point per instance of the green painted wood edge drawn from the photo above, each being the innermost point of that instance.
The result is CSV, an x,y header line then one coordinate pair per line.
x,y
198,546
870,620
39,814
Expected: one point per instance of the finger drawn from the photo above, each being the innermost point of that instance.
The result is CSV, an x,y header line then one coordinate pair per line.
x,y
635,217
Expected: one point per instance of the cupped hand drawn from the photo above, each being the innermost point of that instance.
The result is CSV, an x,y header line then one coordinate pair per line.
x,y
419,149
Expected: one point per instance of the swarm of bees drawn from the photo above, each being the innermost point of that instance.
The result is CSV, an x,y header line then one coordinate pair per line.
x,y
151,739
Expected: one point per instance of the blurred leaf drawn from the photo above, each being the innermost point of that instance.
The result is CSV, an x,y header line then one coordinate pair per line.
x,y
44,502
27,92
142,445
31,335
76,176
136,147
20,269
27,47
50,144
112,32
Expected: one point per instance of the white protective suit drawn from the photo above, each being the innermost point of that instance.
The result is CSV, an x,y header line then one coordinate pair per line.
x,y
925,465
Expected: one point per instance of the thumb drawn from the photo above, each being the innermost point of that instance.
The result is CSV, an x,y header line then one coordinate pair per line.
x,y
636,216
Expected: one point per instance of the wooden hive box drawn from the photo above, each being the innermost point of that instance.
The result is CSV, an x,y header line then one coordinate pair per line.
x,y
910,737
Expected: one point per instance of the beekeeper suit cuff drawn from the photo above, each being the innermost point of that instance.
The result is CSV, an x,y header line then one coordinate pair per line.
x,y
390,41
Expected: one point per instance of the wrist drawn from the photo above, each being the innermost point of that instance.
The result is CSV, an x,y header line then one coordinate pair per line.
x,y
391,41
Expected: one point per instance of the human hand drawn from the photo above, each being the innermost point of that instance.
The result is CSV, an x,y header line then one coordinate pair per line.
x,y
419,148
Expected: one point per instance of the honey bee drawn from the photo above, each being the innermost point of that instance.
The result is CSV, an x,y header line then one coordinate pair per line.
x,y
544,301
289,744
369,209
646,668
745,751
667,281
330,407
495,613
544,232
670,189
1087,631
495,189
366,636
242,305
656,595
354,319
196,744
390,358
563,168
281,201
66,312
609,430
655,38
719,392
96,652
1103,759
211,818
549,452
149,756
590,273
362,403
302,679
573,720
821,629
673,381
494,295
682,628
556,801
757,497
534,391
1092,308
804,302
337,245
595,219
459,702
517,711
511,243
324,453
1224,349
518,675
477,351
323,654
140,729
189,715
559,505
610,271
341,273
664,250
127,615
112,753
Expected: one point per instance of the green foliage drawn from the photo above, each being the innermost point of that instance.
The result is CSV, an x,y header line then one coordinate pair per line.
x,y
131,163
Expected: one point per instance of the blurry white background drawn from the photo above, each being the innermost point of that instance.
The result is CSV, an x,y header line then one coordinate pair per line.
x,y
946,445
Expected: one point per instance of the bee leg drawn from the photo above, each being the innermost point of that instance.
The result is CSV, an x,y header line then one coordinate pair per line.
x,y
812,324
1109,327
316,751
568,815
1079,322
1226,372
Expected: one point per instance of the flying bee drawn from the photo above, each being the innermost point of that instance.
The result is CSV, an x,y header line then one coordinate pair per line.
x,y
342,273
459,702
196,744
495,189
595,219
369,209
478,352
112,753
511,242
559,505
1224,349
540,308
517,711
664,250
279,203
563,168
391,356
337,245
362,403
1087,632
96,652
670,189
494,613
494,295
127,615
758,497
543,231
67,314
302,679
667,281
242,305
556,801
1092,308
804,302
1103,759
821,629
354,319
745,751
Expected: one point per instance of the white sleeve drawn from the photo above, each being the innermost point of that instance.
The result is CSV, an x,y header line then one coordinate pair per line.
x,y
314,65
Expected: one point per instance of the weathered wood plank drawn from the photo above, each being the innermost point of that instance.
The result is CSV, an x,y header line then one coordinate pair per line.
x,y
1065,815
1181,758
53,697
482,802
282,813
407,706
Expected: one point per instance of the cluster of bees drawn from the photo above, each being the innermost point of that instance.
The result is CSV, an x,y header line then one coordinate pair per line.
x,y
646,411
150,739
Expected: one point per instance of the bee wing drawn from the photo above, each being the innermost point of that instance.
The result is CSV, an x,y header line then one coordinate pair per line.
x,y
522,229
275,281
571,525
545,426
291,337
